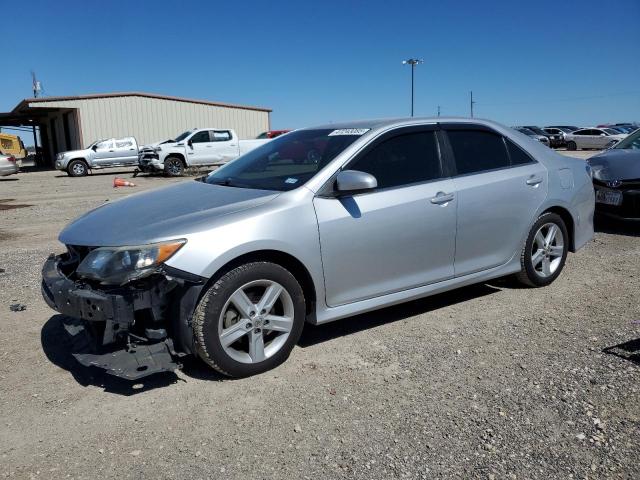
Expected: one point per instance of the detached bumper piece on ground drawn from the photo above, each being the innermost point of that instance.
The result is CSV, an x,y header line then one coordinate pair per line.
x,y
131,331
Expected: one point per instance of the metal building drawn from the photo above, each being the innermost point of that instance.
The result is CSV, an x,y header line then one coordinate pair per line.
x,y
69,123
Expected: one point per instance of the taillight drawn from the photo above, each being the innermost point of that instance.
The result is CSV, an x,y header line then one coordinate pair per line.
x,y
12,159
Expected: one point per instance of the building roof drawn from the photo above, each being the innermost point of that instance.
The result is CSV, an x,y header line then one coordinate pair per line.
x,y
28,101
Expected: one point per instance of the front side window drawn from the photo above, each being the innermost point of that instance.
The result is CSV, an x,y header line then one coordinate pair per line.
x,y
124,143
104,145
477,151
581,132
402,160
286,162
201,137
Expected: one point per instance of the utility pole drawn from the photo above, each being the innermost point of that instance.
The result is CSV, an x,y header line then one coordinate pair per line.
x,y
438,110
413,62
471,103
36,85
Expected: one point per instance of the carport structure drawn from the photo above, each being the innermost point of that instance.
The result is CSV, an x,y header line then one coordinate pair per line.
x,y
74,122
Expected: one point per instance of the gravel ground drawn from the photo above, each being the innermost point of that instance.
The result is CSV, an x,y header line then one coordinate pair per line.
x,y
489,381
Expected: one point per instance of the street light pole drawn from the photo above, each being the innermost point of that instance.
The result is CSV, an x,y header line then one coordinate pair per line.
x,y
413,62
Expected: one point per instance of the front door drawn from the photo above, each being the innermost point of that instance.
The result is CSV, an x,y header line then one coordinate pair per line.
x,y
398,236
200,148
499,188
127,153
104,153
225,145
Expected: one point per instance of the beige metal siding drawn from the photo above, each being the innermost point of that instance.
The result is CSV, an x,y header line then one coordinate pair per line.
x,y
152,119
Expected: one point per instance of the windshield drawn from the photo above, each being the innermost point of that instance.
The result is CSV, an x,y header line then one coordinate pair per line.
x,y
526,131
286,162
632,142
611,131
182,136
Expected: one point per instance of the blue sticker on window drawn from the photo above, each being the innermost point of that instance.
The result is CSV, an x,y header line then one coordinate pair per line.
x,y
291,180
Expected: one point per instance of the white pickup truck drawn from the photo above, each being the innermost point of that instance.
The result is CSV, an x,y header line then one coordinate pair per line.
x,y
194,148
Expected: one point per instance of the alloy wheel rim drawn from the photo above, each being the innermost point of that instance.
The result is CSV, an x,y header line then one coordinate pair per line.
x,y
256,321
547,250
78,169
174,167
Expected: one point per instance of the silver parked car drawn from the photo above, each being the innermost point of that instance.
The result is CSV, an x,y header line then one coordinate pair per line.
x,y
596,138
317,225
112,152
8,165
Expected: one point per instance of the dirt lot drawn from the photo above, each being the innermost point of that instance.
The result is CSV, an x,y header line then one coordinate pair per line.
x,y
489,381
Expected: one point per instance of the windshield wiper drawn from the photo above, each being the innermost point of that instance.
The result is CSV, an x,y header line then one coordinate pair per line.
x,y
227,182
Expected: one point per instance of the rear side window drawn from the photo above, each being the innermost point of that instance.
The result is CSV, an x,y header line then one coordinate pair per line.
x,y
221,136
402,160
517,155
477,151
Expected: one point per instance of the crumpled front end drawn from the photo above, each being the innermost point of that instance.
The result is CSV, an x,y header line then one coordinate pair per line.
x,y
149,160
133,330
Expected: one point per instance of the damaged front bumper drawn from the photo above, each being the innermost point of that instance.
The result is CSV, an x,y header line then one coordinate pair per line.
x,y
133,330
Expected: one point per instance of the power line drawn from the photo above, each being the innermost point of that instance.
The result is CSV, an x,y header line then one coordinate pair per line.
x,y
566,99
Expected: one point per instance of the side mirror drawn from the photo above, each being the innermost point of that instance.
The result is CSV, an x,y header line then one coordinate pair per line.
x,y
94,148
603,134
190,143
353,181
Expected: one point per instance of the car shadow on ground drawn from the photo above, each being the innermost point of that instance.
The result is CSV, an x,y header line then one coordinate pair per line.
x,y
315,334
628,351
617,227
59,347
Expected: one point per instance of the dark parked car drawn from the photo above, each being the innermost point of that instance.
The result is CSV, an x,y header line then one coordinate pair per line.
x,y
616,179
530,133
555,139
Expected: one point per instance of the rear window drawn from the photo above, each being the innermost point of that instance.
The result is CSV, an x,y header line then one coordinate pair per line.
x,y
477,151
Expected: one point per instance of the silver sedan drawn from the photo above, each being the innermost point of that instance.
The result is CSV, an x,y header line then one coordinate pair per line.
x,y
8,165
318,225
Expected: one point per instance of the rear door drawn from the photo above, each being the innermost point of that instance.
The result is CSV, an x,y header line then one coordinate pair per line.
x,y
225,146
400,235
499,188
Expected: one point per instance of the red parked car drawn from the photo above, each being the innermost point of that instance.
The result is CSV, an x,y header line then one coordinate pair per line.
x,y
272,134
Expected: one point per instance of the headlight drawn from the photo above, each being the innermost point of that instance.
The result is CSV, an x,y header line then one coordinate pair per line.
x,y
157,149
119,265
59,156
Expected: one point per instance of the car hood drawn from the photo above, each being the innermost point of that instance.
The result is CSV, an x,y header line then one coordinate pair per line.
x,y
169,212
616,164
74,152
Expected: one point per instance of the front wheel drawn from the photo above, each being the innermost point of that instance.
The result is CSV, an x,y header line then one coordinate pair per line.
x,y
77,168
572,146
173,167
544,252
249,320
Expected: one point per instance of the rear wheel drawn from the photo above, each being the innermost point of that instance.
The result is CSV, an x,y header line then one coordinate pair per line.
x,y
249,320
173,166
77,168
572,145
544,252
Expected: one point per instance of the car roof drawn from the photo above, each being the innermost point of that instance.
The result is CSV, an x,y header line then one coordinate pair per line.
x,y
384,123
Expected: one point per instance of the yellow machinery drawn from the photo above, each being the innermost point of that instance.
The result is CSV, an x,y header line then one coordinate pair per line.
x,y
12,145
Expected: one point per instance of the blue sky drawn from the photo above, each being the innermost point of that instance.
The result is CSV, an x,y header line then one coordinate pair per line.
x,y
314,62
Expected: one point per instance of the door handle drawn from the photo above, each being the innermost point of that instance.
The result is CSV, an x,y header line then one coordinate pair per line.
x,y
534,181
442,198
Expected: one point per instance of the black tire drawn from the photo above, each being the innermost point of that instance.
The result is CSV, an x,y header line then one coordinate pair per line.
x,y
173,167
77,168
209,310
528,275
571,145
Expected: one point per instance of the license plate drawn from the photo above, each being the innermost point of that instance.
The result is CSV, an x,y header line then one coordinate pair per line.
x,y
609,197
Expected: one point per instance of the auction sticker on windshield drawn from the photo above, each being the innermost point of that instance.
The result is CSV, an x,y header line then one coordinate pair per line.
x,y
349,131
